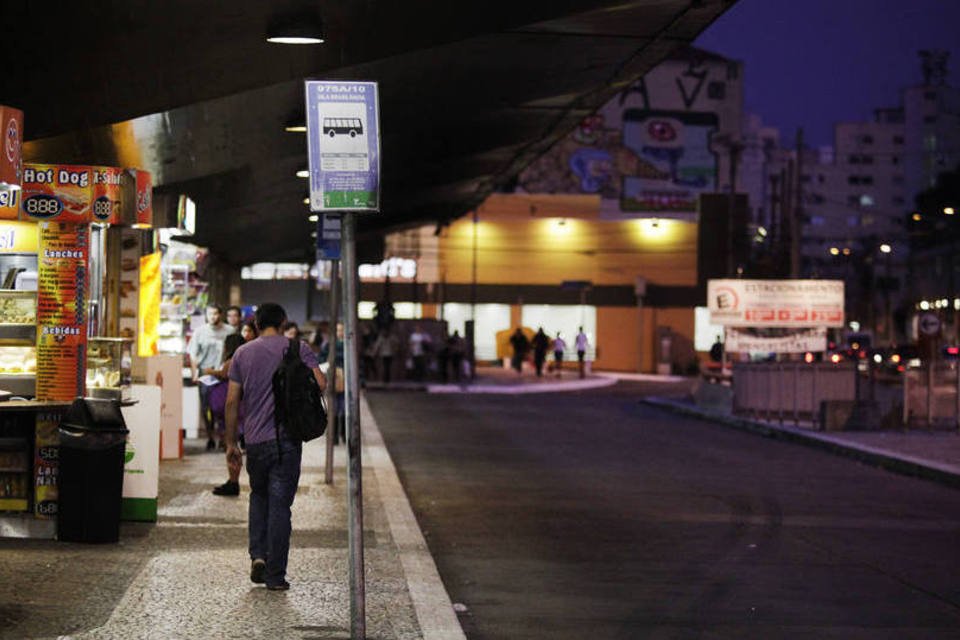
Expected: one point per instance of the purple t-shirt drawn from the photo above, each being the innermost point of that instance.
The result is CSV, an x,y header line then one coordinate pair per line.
x,y
252,367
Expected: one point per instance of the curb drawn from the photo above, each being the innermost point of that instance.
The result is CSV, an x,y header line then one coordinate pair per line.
x,y
431,602
545,387
903,465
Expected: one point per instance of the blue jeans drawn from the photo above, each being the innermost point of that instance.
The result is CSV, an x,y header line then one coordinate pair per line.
x,y
273,484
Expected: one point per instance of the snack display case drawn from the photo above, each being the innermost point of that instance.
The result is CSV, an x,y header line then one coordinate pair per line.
x,y
174,316
18,332
15,480
108,368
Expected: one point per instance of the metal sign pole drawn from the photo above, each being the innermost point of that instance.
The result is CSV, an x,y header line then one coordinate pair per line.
x,y
352,405
332,368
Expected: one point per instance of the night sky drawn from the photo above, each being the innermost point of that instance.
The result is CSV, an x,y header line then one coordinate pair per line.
x,y
812,63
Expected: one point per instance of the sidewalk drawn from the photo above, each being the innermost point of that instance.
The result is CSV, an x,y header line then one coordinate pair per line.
x,y
930,454
187,576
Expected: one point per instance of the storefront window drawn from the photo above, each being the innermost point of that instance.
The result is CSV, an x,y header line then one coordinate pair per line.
x,y
366,310
491,318
567,319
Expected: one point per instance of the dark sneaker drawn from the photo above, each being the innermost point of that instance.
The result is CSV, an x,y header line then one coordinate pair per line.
x,y
280,586
258,568
228,488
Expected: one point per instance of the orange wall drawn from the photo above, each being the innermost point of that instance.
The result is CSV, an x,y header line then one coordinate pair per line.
x,y
520,240
618,339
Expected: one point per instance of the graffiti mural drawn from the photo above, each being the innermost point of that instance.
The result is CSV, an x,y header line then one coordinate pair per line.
x,y
675,162
591,160
648,151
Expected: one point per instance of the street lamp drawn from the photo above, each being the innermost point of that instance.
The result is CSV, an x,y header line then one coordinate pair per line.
x,y
887,250
948,211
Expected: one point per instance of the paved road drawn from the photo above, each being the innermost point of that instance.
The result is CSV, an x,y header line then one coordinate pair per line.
x,y
588,515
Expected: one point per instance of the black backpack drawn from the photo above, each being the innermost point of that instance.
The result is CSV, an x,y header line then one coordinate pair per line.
x,y
297,398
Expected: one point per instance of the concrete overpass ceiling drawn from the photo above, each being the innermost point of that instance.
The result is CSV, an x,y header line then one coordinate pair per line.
x,y
471,92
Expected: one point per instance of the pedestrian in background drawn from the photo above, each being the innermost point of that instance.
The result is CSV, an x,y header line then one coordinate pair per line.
x,y
234,317
456,348
520,346
206,355
582,344
559,346
248,330
218,404
419,346
385,348
540,345
291,330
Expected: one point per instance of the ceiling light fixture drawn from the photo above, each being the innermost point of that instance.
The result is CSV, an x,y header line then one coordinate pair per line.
x,y
295,126
296,29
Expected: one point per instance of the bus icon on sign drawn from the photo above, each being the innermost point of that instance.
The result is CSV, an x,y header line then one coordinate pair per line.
x,y
342,126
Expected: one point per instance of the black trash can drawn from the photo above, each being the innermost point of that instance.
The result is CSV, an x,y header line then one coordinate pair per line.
x,y
93,438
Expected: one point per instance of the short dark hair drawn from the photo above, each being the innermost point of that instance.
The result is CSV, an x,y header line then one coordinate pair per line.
x,y
234,307
214,305
269,314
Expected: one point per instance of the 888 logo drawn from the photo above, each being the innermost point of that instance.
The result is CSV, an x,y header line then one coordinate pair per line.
x,y
102,208
42,206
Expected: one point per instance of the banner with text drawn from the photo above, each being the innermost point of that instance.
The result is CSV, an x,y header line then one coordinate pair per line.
x,y
61,317
776,303
796,341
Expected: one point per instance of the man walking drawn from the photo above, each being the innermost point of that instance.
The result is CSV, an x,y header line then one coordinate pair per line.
x,y
273,459
206,356
582,343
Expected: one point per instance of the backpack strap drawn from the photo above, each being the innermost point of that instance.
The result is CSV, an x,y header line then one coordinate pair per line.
x,y
291,353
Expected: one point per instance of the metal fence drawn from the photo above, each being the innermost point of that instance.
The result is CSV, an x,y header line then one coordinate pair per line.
x,y
931,396
790,391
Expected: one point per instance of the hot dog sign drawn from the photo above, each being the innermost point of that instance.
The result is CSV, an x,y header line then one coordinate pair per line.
x,y
71,193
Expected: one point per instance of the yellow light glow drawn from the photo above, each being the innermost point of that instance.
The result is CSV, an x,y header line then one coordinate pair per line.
x,y
948,211
306,200
296,128
885,248
846,251
834,251
916,217
561,227
303,173
313,218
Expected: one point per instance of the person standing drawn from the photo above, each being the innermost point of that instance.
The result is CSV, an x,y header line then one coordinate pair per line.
x,y
456,347
248,331
582,343
419,345
291,330
520,346
206,354
273,458
234,317
218,401
540,345
559,346
385,348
